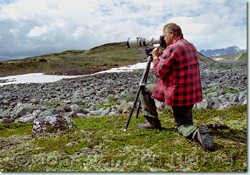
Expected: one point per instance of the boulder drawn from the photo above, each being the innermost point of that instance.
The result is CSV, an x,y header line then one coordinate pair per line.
x,y
22,109
52,123
6,120
45,113
95,113
81,115
77,109
72,114
203,105
124,107
106,112
67,108
71,144
28,118
225,106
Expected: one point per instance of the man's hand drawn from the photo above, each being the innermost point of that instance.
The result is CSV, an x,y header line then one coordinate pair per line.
x,y
156,53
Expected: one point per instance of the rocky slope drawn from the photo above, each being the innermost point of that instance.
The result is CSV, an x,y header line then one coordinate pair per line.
x,y
224,85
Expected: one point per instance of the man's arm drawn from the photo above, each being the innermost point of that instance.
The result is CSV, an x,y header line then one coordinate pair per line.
x,y
163,65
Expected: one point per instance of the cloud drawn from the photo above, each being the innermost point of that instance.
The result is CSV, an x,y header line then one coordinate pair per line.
x,y
34,27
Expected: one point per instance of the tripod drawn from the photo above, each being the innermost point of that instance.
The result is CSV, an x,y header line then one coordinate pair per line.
x,y
141,85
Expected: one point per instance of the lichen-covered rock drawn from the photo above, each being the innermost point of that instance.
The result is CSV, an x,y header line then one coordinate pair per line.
x,y
22,109
124,107
52,123
28,118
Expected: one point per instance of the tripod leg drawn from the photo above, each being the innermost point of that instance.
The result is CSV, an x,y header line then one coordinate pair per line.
x,y
134,106
138,110
142,83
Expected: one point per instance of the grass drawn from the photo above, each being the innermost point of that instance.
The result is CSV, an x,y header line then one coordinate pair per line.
x,y
240,57
104,147
75,62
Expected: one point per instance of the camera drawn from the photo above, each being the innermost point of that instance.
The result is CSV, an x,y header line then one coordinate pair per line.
x,y
146,42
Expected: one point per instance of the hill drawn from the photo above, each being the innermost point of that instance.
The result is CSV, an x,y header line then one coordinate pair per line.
x,y
74,62
242,56
80,62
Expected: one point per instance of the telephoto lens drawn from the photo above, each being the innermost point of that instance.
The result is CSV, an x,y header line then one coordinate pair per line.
x,y
146,42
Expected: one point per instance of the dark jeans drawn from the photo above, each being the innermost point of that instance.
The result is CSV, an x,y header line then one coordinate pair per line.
x,y
182,114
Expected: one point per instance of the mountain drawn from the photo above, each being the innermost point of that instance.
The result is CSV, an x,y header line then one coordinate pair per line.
x,y
216,52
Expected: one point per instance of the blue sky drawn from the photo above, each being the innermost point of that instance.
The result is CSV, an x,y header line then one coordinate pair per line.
x,y
35,27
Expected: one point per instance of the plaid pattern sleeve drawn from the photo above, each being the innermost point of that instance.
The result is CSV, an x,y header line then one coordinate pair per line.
x,y
178,70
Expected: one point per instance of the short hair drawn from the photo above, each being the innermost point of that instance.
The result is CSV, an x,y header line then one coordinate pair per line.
x,y
173,27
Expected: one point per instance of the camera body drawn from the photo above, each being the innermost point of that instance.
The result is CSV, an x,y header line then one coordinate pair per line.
x,y
146,42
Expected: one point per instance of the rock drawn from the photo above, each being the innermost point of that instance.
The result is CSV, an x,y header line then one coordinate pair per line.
x,y
72,114
71,144
6,101
45,113
215,102
242,96
124,107
81,115
233,98
67,108
75,108
106,112
225,106
28,118
95,113
4,114
245,102
212,94
36,113
203,105
159,104
6,120
22,109
112,113
34,101
83,111
52,123
92,91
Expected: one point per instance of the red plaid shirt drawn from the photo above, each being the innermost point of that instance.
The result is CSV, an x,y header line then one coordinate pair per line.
x,y
178,70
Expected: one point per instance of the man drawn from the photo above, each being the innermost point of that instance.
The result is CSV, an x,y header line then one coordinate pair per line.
x,y
179,86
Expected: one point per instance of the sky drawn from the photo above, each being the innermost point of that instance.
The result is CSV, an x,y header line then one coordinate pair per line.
x,y
36,27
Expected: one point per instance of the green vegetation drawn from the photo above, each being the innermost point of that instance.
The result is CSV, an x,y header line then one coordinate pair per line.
x,y
8,129
236,57
75,62
221,90
103,146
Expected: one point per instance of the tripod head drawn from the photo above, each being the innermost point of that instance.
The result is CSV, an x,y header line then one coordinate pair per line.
x,y
149,50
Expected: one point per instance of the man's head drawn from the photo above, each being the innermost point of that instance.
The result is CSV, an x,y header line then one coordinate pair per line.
x,y
171,32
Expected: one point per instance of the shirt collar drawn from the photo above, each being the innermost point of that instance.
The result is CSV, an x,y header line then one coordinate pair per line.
x,y
179,38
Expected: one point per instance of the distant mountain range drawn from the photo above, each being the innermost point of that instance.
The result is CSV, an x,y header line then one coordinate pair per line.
x,y
216,52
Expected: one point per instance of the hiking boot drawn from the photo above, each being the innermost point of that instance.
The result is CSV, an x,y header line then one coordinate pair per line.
x,y
204,138
151,125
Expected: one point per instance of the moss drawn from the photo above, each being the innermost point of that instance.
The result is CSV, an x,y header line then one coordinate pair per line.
x,y
104,147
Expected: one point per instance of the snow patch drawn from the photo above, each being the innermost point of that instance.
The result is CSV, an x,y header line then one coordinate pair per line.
x,y
42,78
